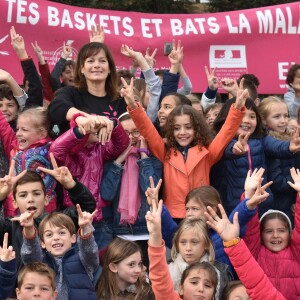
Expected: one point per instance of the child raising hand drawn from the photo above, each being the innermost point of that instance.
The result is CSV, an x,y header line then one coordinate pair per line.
x,y
257,284
57,235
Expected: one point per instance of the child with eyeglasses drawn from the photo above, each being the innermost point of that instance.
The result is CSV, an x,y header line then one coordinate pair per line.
x,y
125,182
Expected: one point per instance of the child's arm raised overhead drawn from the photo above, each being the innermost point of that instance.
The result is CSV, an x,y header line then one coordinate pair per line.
x,y
257,284
8,269
162,283
44,70
88,250
209,96
231,125
143,123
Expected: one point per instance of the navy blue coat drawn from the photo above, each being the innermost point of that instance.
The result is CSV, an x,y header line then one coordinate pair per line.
x,y
230,173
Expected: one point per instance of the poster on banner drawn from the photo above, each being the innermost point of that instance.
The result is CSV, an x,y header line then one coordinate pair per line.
x,y
263,41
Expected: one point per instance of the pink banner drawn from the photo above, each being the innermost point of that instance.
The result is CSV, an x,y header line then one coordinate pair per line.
x,y
263,41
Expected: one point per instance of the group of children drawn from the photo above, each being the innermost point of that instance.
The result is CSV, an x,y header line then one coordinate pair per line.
x,y
80,212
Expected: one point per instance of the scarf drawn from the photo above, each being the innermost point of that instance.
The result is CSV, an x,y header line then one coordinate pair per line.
x,y
177,268
130,198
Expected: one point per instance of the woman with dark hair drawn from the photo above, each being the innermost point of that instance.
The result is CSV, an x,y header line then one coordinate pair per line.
x,y
95,90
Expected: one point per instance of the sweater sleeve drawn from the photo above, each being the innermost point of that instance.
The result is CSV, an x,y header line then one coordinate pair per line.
x,y
56,72
31,250
169,85
46,83
162,284
35,89
226,134
257,284
154,86
186,86
149,132
88,253
208,98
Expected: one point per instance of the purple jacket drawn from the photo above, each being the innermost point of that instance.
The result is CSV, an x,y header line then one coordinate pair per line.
x,y
86,162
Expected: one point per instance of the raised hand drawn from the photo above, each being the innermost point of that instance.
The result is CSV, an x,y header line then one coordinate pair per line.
x,y
241,95
61,174
6,252
85,220
259,196
25,219
212,80
129,52
8,181
176,55
128,94
226,230
18,43
38,52
153,219
229,85
252,181
97,34
150,57
295,141
241,147
67,50
152,191
295,173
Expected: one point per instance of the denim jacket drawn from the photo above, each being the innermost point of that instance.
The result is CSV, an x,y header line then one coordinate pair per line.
x,y
110,191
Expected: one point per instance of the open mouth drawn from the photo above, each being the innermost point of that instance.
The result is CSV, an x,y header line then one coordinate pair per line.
x,y
57,246
276,242
245,127
31,208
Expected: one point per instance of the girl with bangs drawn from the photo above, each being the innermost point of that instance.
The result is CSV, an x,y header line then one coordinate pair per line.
x,y
121,277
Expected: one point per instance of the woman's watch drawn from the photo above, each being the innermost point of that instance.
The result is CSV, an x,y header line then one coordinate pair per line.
x,y
144,150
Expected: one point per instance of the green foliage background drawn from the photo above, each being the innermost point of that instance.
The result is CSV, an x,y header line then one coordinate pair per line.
x,y
172,6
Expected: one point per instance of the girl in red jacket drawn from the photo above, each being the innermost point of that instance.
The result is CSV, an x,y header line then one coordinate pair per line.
x,y
276,247
252,275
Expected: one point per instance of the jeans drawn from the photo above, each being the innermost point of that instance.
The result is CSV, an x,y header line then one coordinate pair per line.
x,y
103,233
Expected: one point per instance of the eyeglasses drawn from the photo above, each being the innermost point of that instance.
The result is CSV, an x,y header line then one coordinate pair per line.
x,y
134,133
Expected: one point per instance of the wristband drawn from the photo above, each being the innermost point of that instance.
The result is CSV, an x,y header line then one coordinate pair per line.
x,y
144,150
231,243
